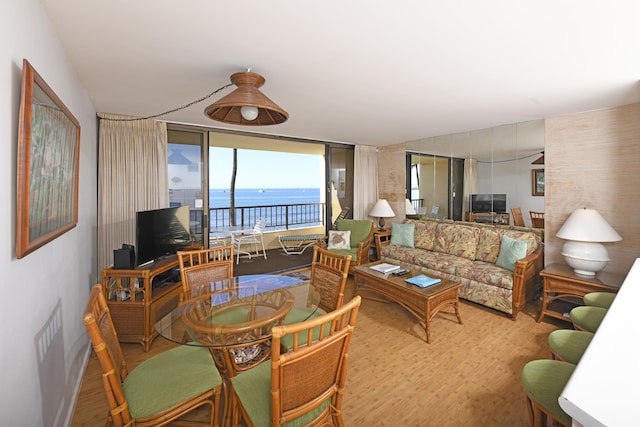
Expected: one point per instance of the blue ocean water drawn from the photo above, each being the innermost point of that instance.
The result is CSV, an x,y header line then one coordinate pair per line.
x,y
219,198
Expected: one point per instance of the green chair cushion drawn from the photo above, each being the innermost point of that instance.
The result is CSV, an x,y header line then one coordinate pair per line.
x,y
353,252
169,379
360,229
569,344
587,317
599,299
544,380
253,388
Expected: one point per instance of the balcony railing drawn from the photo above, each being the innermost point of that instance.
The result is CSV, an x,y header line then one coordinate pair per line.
x,y
279,217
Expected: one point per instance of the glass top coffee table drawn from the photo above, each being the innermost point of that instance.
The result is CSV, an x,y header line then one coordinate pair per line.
x,y
421,303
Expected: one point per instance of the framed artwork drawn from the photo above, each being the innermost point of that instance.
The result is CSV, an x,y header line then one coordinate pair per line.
x,y
48,162
537,182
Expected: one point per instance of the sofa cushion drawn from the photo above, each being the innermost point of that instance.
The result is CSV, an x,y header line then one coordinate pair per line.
x,y
531,239
458,240
402,235
511,250
488,245
488,273
339,239
425,234
360,229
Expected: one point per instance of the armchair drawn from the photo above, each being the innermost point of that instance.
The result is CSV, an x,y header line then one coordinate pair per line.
x,y
360,240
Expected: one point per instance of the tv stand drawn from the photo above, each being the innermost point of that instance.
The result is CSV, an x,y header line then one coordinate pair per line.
x,y
139,297
491,218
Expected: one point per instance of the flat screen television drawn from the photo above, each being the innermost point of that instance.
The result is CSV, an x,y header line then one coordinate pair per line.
x,y
161,232
489,203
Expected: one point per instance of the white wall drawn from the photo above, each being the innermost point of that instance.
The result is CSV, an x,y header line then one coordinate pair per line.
x,y
59,275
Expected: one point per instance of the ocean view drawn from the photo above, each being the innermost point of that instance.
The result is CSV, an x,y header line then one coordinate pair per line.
x,y
219,198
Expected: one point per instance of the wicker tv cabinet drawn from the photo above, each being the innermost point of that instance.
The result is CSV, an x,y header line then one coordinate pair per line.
x,y
421,303
139,297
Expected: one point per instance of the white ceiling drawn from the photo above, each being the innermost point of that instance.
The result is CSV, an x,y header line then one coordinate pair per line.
x,y
358,71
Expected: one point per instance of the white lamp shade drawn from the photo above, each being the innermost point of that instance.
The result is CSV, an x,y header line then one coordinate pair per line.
x,y
382,209
408,208
587,225
584,230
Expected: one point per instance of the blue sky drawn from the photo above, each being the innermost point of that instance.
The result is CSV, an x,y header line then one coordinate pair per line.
x,y
265,169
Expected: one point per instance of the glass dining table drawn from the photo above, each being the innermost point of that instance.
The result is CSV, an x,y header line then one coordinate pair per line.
x,y
234,321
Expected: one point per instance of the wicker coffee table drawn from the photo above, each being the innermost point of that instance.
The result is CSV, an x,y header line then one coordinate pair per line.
x,y
421,303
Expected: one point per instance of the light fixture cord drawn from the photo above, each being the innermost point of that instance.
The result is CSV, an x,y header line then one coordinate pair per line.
x,y
132,119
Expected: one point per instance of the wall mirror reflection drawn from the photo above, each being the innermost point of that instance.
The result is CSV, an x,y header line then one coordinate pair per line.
x,y
491,167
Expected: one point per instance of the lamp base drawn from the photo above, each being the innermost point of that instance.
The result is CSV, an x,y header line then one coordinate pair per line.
x,y
586,258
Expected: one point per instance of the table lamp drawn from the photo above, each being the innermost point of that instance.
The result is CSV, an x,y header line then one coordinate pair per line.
x,y
408,208
584,231
381,210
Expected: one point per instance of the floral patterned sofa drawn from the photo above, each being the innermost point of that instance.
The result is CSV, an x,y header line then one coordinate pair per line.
x,y
498,266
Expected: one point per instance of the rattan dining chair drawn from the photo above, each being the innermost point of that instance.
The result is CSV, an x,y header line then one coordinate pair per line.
x,y
518,219
205,270
537,219
161,389
305,384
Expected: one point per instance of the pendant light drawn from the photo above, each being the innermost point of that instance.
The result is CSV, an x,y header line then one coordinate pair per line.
x,y
246,105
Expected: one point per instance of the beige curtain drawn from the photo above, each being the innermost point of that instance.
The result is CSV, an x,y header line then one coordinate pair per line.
x,y
365,169
470,183
132,176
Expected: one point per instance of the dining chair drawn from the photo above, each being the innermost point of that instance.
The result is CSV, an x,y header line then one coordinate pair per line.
x,y
251,238
329,272
537,219
305,384
543,382
205,270
161,389
518,219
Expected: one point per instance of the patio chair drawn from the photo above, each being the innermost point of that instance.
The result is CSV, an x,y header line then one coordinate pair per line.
x,y
205,270
161,389
253,237
305,384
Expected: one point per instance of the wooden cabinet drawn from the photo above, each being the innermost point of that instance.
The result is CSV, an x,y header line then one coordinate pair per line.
x,y
563,289
491,218
138,298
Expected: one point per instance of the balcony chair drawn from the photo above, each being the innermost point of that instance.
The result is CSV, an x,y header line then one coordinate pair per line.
x,y
161,389
518,219
360,238
537,219
304,385
543,381
205,270
248,238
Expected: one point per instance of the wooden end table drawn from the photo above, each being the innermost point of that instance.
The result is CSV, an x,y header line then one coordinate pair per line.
x,y
563,289
421,303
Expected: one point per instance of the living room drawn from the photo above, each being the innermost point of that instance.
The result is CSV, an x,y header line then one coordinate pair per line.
x,y
592,157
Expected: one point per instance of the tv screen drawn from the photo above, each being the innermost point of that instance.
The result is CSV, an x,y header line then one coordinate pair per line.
x,y
489,203
161,232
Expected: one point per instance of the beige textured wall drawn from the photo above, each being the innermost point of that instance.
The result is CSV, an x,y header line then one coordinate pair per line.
x,y
592,160
392,179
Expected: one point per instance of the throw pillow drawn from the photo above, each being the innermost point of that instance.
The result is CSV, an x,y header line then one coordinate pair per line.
x,y
402,235
511,250
339,239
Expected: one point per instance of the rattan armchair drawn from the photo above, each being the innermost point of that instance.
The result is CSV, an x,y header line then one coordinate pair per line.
x,y
161,389
360,240
306,384
205,270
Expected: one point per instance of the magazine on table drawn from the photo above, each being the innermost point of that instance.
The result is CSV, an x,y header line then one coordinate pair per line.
x,y
422,281
385,267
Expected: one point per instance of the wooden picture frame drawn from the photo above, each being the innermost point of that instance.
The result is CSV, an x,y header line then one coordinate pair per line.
x,y
537,182
48,163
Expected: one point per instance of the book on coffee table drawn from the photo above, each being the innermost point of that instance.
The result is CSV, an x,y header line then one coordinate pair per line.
x,y
385,268
422,281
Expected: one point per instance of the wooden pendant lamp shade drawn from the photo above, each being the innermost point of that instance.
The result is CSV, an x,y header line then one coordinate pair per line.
x,y
228,108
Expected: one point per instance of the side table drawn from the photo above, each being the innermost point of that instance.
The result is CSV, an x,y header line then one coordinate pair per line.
x,y
563,289
378,236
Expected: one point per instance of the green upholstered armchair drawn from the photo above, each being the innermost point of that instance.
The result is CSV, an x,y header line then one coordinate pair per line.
x,y
360,241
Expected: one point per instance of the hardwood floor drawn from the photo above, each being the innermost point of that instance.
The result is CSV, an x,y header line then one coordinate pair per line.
x,y
468,376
